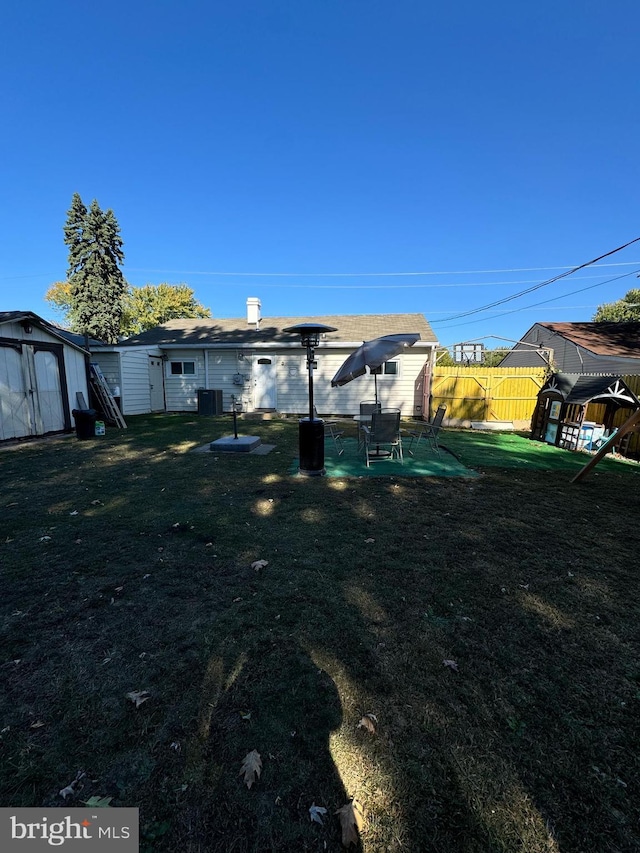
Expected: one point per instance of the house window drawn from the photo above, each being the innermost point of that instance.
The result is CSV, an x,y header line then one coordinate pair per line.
x,y
183,368
389,368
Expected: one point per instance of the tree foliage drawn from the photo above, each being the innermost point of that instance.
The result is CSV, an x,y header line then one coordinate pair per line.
x,y
96,300
492,358
149,306
625,310
97,287
143,307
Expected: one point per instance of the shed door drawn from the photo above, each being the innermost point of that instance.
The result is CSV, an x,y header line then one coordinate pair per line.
x,y
47,389
264,382
15,410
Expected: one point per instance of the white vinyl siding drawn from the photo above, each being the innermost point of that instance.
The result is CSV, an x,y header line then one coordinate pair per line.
x,y
135,388
223,366
128,370
109,364
181,392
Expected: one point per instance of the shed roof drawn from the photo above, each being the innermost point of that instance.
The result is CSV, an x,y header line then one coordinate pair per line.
x,y
583,387
349,327
73,340
614,339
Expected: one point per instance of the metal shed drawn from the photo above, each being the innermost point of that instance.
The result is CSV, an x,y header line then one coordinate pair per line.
x,y
559,416
40,375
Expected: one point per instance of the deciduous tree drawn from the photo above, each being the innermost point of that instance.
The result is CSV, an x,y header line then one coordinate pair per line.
x,y
149,306
625,310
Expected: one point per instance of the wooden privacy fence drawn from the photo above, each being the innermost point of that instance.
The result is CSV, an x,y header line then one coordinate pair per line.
x,y
506,394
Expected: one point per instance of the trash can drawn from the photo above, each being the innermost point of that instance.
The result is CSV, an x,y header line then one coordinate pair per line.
x,y
85,422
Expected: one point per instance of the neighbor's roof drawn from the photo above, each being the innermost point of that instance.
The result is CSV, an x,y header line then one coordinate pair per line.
x,y
617,339
350,327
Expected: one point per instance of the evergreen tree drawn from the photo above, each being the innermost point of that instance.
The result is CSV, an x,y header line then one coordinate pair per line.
x,y
97,285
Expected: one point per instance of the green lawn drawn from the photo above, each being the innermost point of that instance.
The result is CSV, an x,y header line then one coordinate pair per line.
x,y
126,566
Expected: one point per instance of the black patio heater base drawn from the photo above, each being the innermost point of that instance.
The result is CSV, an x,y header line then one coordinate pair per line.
x,y
311,447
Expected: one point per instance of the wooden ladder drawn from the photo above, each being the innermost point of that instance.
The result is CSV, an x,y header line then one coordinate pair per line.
x,y
102,391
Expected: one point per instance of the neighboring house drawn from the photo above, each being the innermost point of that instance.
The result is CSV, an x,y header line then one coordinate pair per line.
x,y
609,348
254,362
41,372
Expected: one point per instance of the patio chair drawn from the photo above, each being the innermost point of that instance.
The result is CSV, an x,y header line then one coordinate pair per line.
x,y
367,407
428,431
332,430
383,440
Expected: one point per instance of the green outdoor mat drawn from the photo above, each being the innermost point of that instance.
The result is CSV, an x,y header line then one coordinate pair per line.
x,y
511,450
425,463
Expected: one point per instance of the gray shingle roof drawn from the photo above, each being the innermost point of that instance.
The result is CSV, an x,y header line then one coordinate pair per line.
x,y
350,327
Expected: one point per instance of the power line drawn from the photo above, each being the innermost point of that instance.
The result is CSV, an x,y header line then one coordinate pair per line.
x,y
377,274
408,286
542,284
537,304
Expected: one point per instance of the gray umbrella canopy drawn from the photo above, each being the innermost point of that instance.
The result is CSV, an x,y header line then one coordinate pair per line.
x,y
372,354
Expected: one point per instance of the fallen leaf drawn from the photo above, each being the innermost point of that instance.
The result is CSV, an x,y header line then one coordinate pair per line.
x,y
139,696
316,812
75,512
369,541
251,767
236,600
451,664
97,503
351,821
97,802
259,564
73,787
37,725
368,722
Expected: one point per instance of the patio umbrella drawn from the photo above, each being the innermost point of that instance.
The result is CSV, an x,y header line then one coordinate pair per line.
x,y
372,354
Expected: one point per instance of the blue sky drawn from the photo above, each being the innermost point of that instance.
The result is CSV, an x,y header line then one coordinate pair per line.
x,y
303,141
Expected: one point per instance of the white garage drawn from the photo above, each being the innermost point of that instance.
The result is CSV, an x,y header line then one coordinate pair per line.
x,y
40,375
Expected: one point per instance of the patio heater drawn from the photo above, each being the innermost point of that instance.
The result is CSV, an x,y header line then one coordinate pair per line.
x,y
310,429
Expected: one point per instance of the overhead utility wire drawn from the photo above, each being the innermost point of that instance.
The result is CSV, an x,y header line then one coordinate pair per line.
x,y
369,274
536,304
538,286
406,286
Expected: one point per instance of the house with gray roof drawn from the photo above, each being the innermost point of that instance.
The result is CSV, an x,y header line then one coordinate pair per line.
x,y
609,348
253,361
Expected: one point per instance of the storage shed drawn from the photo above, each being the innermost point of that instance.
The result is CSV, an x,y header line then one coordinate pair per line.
x,y
40,375
559,416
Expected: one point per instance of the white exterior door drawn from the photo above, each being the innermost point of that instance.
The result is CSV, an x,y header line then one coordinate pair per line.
x,y
264,382
156,384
